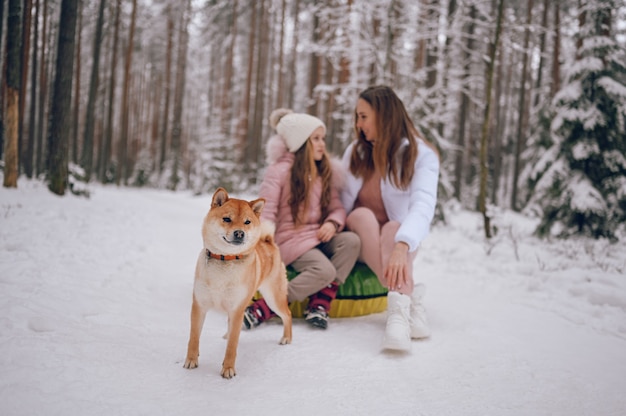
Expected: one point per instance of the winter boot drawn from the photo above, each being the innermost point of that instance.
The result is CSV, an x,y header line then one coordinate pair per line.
x,y
397,332
319,306
417,319
256,314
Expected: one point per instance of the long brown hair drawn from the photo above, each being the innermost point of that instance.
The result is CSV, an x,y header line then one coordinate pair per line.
x,y
304,172
393,126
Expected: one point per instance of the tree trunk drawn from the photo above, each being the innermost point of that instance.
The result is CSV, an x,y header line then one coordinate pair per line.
x,y
420,50
280,84
374,74
484,142
452,6
522,110
2,76
496,129
431,51
43,93
75,118
341,111
542,51
390,66
107,140
255,136
61,110
155,108
122,172
12,79
226,113
87,154
459,166
29,151
179,95
556,52
294,55
167,89
27,17
244,113
315,67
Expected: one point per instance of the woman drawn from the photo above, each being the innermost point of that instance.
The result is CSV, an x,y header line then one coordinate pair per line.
x,y
301,191
390,195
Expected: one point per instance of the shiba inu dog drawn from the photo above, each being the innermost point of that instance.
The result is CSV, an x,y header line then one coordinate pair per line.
x,y
239,257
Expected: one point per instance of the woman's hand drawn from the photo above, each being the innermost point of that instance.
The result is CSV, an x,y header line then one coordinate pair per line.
x,y
396,272
327,231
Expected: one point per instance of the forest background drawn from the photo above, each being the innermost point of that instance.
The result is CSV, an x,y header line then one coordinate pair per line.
x,y
525,99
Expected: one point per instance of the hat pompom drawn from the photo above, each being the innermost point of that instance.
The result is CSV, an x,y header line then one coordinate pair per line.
x,y
277,115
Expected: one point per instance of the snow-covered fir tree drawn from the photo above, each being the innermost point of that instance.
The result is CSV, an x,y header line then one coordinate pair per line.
x,y
580,182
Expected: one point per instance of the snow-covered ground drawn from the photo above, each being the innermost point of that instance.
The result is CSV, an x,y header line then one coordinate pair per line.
x,y
95,297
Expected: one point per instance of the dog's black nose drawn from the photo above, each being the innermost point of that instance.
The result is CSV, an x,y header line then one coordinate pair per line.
x,y
239,235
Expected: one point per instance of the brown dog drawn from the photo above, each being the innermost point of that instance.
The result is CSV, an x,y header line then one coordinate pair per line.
x,y
239,257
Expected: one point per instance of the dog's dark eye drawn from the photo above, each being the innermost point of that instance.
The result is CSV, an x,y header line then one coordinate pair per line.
x,y
247,222
226,219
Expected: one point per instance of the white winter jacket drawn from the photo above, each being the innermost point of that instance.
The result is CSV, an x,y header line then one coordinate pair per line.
x,y
413,208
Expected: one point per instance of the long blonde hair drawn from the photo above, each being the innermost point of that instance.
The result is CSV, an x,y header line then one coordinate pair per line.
x,y
393,126
304,172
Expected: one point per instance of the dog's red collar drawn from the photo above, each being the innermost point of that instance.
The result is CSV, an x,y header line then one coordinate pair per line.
x,y
224,257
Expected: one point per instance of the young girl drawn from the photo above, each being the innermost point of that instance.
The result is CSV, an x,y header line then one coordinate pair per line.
x,y
390,194
300,187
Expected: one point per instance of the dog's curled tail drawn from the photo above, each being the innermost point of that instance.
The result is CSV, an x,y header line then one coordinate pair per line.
x,y
267,231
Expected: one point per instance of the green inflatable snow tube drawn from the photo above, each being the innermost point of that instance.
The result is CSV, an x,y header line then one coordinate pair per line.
x,y
361,294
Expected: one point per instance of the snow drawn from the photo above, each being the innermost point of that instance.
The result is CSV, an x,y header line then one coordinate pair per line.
x,y
95,297
613,87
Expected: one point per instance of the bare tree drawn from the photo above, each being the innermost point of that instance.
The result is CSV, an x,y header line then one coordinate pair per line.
x,y
226,104
77,69
2,84
122,173
43,93
179,95
522,109
168,80
87,154
12,79
60,112
32,118
107,140
484,142
244,113
542,50
255,136
294,55
280,84
556,51
315,66
459,166
25,55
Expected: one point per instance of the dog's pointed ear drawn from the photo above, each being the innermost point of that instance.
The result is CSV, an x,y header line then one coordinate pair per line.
x,y
257,206
219,197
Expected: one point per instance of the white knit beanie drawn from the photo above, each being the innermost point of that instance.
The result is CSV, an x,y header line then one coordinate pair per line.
x,y
294,128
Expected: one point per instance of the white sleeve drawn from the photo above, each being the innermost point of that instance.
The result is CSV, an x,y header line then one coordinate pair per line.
x,y
423,198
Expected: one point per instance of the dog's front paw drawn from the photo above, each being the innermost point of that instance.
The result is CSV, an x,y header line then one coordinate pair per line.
x,y
191,362
228,372
284,341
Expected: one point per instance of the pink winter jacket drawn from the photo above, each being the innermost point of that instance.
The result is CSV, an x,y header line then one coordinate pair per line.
x,y
275,188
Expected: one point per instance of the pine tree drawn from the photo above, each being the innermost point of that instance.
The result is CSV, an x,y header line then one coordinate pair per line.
x,y
580,183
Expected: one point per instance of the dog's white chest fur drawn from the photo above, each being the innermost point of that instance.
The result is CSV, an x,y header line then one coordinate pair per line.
x,y
218,284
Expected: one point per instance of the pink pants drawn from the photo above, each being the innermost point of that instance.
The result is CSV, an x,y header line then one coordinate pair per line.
x,y
377,243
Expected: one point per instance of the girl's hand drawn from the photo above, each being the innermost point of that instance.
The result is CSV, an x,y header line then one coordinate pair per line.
x,y
396,272
326,231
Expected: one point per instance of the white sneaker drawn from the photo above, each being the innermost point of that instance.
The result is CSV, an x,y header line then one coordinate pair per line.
x,y
397,331
417,318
